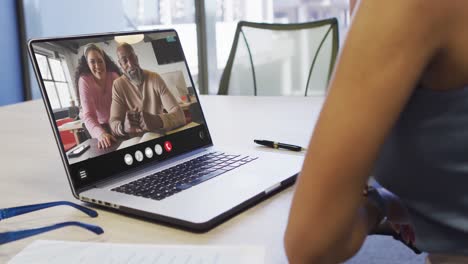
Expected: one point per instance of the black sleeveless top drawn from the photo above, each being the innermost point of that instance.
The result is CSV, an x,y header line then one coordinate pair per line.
x,y
425,162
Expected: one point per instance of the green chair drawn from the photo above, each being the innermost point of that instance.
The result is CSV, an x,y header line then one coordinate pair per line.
x,y
281,59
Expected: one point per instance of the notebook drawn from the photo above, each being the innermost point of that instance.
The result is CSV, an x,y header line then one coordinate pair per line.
x,y
51,251
179,177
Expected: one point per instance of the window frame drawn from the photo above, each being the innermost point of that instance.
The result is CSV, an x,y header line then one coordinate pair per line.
x,y
48,57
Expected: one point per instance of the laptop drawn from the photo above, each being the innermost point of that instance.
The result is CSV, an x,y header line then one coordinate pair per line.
x,y
174,175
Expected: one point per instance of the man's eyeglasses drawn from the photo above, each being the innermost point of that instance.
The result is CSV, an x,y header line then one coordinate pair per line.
x,y
5,213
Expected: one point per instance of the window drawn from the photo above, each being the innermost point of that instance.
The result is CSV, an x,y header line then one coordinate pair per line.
x,y
42,19
177,14
45,18
55,81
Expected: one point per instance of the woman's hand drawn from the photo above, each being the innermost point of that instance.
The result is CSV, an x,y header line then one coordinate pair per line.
x,y
105,140
397,216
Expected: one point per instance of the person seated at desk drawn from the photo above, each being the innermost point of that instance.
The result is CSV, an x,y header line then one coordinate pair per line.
x,y
397,109
94,77
139,98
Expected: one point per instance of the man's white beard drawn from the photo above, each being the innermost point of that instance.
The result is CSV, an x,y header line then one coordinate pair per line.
x,y
137,80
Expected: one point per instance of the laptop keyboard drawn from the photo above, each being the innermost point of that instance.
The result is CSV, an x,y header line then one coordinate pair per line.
x,y
183,176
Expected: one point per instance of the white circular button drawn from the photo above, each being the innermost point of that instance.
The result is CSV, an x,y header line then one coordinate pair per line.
x,y
158,149
138,156
149,153
128,159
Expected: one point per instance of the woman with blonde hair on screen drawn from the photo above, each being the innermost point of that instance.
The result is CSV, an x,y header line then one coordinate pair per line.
x,y
94,77
396,109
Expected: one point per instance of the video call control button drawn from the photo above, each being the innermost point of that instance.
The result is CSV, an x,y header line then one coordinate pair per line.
x,y
168,146
149,153
83,174
128,159
158,149
139,156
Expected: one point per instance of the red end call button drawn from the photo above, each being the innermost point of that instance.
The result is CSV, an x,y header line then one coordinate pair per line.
x,y
168,146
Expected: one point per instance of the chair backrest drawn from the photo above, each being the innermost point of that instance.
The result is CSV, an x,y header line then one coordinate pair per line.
x,y
281,59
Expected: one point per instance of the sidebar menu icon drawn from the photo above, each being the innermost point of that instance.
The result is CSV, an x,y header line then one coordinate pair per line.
x,y
83,174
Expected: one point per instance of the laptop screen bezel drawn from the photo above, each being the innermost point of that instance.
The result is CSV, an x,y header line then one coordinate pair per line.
x,y
50,112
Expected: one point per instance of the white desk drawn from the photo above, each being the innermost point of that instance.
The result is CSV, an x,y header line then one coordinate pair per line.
x,y
32,172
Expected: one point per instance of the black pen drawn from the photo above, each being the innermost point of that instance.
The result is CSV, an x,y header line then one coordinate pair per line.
x,y
277,145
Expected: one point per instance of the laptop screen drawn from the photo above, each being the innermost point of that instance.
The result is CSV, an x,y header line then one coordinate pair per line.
x,y
118,101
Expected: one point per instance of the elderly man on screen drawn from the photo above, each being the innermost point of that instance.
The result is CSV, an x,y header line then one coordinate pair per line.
x,y
139,98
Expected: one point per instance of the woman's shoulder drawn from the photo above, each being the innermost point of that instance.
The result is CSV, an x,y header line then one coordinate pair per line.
x,y
113,75
414,12
414,23
118,79
85,81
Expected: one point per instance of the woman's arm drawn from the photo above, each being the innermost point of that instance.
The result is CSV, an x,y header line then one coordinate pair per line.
x,y
387,49
89,109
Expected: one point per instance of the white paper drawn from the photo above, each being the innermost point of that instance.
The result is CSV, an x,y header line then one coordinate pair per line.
x,y
47,251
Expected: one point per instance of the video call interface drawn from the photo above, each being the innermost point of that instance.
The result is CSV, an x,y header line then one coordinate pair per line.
x,y
120,101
